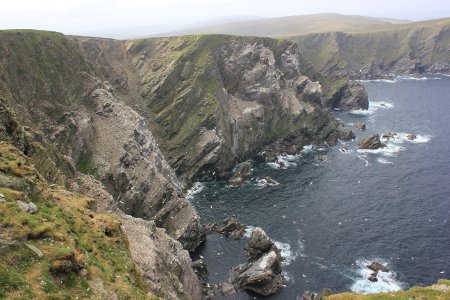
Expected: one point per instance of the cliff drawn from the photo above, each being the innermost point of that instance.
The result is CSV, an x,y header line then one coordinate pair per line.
x,y
123,125
414,48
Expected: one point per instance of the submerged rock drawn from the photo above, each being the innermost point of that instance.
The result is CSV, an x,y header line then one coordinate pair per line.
x,y
411,137
389,135
371,142
376,266
361,126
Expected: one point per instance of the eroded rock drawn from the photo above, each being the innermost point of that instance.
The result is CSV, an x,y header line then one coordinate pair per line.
x,y
231,228
371,142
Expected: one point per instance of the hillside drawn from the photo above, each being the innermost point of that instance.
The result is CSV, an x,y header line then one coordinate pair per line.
x,y
354,46
294,25
415,48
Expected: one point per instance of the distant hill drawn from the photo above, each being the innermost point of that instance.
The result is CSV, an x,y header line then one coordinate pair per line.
x,y
293,25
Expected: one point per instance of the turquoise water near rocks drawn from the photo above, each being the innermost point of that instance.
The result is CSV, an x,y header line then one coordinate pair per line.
x,y
332,217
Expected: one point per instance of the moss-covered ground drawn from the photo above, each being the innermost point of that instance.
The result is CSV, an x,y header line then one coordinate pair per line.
x,y
77,245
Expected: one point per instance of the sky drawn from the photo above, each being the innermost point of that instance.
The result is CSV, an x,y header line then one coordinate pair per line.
x,y
91,16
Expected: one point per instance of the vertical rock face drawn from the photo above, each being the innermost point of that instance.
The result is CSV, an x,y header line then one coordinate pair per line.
x,y
218,100
127,159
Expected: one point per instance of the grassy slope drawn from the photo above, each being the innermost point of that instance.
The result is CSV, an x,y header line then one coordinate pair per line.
x,y
69,234
439,291
426,42
294,25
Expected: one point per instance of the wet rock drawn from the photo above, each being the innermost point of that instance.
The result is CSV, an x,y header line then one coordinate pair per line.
x,y
258,244
231,228
389,135
29,207
371,142
353,97
200,269
361,126
376,266
241,173
372,278
227,288
411,137
322,157
262,276
267,181
345,134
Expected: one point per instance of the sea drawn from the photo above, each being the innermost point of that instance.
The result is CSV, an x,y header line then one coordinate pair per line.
x,y
337,209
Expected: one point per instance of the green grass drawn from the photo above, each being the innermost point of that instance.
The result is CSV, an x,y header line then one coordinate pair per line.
x,y
64,228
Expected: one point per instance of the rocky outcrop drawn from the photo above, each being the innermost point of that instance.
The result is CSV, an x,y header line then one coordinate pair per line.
x,y
162,261
353,97
127,159
240,173
371,142
262,275
231,228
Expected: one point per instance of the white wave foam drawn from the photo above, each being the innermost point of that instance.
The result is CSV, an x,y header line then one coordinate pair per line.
x,y
387,281
378,80
373,107
390,150
384,161
262,182
248,231
196,188
307,149
401,137
284,161
286,252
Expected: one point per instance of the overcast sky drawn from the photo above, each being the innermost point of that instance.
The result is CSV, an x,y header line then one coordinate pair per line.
x,y
84,16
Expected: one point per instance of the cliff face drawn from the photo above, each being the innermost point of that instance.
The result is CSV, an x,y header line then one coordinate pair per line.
x,y
216,100
415,49
139,115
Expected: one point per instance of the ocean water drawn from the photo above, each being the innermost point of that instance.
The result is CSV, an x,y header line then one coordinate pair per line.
x,y
331,218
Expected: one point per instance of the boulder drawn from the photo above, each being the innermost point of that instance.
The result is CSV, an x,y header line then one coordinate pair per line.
x,y
231,228
371,142
389,135
28,207
322,157
344,133
200,269
258,244
2,198
376,267
361,126
262,276
411,137
241,173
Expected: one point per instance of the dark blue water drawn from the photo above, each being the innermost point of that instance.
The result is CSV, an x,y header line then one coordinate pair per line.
x,y
334,216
